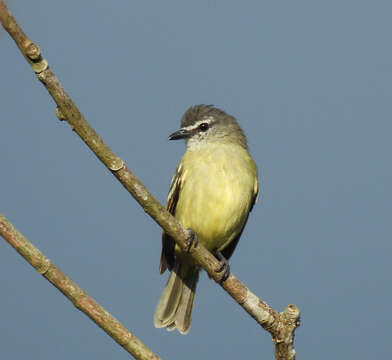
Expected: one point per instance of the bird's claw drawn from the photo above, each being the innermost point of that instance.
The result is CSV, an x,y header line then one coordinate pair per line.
x,y
224,267
191,240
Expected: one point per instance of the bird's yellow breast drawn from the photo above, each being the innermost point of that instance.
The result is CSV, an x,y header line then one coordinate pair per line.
x,y
218,186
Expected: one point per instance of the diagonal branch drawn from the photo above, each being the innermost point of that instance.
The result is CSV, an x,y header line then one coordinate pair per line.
x,y
281,326
74,293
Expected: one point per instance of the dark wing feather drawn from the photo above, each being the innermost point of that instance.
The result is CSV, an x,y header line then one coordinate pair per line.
x,y
167,256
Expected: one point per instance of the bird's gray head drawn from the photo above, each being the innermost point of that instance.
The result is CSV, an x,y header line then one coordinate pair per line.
x,y
202,124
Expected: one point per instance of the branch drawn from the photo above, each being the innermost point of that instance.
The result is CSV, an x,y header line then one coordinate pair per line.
x,y
281,326
74,293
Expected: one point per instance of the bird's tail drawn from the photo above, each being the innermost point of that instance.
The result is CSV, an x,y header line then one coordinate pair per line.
x,y
174,309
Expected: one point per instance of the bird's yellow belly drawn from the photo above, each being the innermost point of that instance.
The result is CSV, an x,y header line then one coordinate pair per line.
x,y
215,198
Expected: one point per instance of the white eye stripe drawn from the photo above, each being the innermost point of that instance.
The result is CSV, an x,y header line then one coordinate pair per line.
x,y
207,120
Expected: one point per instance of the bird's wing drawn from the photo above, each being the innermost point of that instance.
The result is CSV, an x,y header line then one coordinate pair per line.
x,y
167,256
229,249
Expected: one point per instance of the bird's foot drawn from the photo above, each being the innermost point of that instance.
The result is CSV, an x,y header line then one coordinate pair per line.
x,y
224,268
191,240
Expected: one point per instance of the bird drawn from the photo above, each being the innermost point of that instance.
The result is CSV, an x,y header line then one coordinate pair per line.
x,y
213,189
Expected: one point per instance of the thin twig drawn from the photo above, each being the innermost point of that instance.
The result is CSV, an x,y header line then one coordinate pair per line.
x,y
74,293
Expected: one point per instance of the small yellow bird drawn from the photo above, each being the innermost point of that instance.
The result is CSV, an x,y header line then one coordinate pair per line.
x,y
212,192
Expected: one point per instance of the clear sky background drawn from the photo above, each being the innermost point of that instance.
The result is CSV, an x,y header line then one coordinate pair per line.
x,y
310,83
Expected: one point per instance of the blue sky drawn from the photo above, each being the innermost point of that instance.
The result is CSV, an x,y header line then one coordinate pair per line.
x,y
309,82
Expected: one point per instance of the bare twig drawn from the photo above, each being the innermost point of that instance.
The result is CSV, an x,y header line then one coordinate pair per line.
x,y
74,293
281,326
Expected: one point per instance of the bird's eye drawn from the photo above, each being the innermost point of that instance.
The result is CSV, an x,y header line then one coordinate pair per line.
x,y
203,126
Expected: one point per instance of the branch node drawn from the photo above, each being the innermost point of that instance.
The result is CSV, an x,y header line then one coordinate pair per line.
x,y
39,66
33,54
291,315
43,266
284,334
32,51
115,164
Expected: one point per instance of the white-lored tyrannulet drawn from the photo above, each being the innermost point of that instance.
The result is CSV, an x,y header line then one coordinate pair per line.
x,y
212,192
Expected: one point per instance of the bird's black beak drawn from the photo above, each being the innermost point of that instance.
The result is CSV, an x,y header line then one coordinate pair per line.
x,y
180,134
